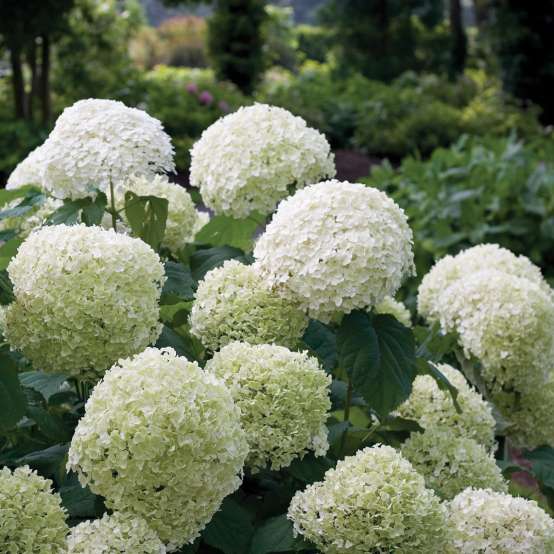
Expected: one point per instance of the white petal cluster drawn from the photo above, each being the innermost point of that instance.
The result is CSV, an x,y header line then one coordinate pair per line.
x,y
432,408
507,323
161,439
283,397
450,269
233,303
31,516
182,217
395,308
374,501
119,532
335,247
450,464
90,296
29,170
495,523
98,142
251,159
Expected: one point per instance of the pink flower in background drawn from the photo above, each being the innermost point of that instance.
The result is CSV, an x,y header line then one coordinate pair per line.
x,y
192,88
223,106
205,97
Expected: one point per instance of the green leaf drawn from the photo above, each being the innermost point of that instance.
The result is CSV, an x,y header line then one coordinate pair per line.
x,y
174,340
310,469
79,501
425,367
51,426
322,340
206,259
222,230
542,461
275,535
12,397
179,284
433,344
230,530
45,383
8,250
94,210
6,288
147,217
9,195
68,214
378,353
47,461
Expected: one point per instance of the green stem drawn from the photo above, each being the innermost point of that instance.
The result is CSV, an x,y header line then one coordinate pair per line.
x,y
346,417
112,210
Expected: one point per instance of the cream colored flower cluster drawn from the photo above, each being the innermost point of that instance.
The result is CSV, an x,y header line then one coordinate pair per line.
x,y
335,247
433,408
251,159
161,439
496,523
183,220
233,303
31,516
450,464
96,143
90,296
374,501
112,534
283,398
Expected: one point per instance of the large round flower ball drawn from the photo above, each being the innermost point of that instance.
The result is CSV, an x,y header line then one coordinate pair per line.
x,y
162,440
335,247
374,501
98,143
283,398
450,464
90,296
250,160
233,303
450,269
496,523
182,218
116,533
432,407
32,519
506,322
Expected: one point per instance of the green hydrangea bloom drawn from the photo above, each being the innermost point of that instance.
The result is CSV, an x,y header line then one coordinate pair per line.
x,y
374,501
161,439
395,308
283,397
119,532
484,521
32,520
233,303
450,464
89,295
432,407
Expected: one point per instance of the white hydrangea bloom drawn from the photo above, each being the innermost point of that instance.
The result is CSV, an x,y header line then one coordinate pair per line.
x,y
335,247
432,407
28,171
452,463
251,159
504,321
182,217
119,532
161,439
374,501
98,142
283,397
395,308
496,523
233,303
32,519
89,295
450,269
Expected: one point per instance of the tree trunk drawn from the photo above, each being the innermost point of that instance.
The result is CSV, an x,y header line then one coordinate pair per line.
x,y
45,103
18,82
459,39
32,61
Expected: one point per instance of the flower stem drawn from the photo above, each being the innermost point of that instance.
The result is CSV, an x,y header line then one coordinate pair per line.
x,y
112,209
346,417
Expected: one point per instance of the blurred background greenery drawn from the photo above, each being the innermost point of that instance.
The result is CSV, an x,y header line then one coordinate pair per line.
x,y
456,95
